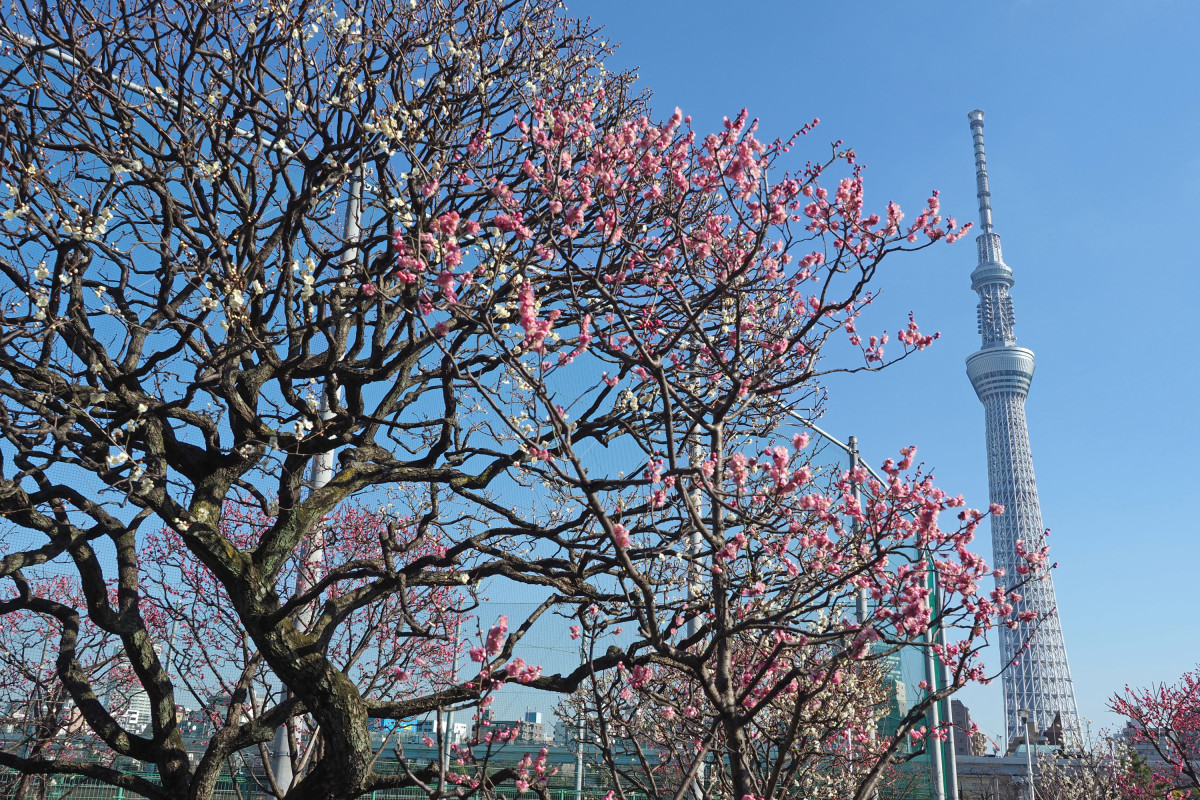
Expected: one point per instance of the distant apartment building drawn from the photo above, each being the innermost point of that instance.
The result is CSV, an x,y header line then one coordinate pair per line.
x,y
966,741
1128,736
460,732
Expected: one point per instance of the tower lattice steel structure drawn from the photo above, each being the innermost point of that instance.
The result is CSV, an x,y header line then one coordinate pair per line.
x,y
1001,372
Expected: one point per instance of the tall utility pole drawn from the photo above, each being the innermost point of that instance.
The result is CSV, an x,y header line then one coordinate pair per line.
x,y
932,743
948,717
581,724
695,547
860,601
322,473
448,734
1001,372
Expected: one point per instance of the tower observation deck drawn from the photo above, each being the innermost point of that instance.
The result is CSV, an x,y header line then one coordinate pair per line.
x,y
1001,372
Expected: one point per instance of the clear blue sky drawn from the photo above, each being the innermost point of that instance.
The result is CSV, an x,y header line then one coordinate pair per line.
x,y
1093,120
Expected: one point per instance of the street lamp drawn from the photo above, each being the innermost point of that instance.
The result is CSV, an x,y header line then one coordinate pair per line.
x,y
1026,720
945,766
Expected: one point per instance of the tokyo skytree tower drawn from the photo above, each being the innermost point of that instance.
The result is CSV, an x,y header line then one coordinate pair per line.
x,y
1001,372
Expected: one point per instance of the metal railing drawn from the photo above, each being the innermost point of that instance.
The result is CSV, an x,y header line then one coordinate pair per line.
x,y
66,787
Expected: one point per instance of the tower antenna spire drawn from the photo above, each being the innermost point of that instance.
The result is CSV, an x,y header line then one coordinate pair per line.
x,y
982,190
